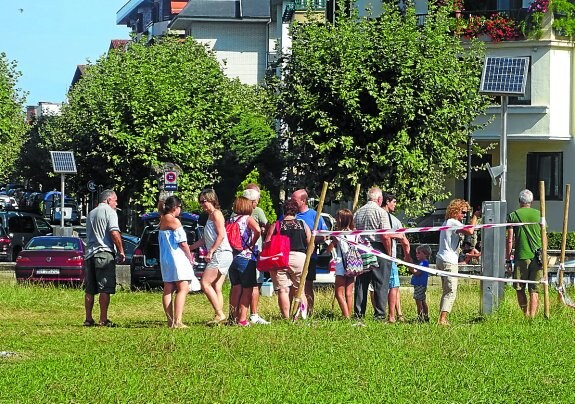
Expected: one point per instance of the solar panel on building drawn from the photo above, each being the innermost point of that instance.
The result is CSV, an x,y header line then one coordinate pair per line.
x,y
504,76
63,162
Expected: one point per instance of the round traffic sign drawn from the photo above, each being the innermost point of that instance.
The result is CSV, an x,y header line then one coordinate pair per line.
x,y
170,177
91,186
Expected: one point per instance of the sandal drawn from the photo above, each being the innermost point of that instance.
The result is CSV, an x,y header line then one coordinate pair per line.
x,y
400,318
108,323
217,321
89,323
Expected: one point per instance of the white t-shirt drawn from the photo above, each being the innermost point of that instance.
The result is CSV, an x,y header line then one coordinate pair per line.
x,y
449,243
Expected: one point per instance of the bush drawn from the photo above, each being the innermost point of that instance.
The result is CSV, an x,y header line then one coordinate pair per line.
x,y
554,240
266,202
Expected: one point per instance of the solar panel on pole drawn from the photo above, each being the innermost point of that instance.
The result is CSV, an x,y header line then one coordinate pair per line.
x,y
504,76
63,162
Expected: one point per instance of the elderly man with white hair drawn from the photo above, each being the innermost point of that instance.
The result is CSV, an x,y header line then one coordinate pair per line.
x,y
252,192
526,240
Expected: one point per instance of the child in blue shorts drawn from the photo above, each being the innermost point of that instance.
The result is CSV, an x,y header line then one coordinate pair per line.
x,y
419,282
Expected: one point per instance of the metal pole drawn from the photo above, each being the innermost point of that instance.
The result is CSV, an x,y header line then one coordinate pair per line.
x,y
544,247
467,196
503,147
564,238
62,177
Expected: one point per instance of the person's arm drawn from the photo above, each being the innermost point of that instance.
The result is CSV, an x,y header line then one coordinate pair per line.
x,y
307,231
406,249
270,233
386,237
470,232
197,244
509,243
117,239
331,245
220,226
184,246
255,228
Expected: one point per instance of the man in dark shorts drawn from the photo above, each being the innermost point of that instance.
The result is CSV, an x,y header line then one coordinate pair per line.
x,y
104,241
525,240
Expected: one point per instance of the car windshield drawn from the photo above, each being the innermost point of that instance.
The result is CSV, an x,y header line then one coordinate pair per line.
x,y
53,243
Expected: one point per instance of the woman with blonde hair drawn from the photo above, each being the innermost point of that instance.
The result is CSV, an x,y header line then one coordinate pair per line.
x,y
219,255
448,254
243,268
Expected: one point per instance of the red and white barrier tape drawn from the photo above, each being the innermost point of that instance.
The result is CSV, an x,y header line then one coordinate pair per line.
x,y
416,229
434,271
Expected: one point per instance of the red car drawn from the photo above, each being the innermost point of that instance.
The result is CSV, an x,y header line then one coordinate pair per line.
x,y
51,259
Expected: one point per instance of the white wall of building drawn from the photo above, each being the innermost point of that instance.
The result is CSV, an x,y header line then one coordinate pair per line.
x,y
241,48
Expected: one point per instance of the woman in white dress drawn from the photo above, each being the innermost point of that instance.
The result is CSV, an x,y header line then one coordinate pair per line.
x,y
176,261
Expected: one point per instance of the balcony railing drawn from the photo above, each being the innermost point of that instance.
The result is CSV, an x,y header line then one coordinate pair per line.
x,y
314,4
518,14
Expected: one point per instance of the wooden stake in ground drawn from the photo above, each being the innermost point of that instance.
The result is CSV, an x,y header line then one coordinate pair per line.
x,y
355,197
297,300
544,247
564,238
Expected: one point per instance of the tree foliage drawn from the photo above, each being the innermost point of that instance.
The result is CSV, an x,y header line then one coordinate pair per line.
x,y
34,162
12,118
379,101
139,109
265,203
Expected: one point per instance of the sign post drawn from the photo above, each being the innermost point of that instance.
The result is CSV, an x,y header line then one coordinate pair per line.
x,y
170,181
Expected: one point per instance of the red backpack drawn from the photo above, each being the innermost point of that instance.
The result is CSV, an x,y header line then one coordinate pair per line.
x,y
234,234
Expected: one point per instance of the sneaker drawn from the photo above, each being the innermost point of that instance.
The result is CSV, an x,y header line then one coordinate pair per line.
x,y
243,323
358,323
303,308
256,319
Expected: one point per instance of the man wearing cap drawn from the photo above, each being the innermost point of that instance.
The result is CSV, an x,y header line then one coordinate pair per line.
x,y
252,193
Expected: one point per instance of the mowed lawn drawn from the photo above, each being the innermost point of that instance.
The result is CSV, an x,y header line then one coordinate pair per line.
x,y
47,356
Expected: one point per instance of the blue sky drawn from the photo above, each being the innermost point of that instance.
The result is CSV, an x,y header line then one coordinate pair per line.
x,y
49,38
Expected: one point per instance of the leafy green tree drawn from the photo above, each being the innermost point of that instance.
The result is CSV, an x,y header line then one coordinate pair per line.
x,y
139,109
12,118
265,202
380,101
34,161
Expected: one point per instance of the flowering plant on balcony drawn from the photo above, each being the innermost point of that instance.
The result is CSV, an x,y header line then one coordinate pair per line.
x,y
538,6
472,27
532,24
501,28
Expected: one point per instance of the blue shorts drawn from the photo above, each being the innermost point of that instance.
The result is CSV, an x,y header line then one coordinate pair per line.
x,y
394,276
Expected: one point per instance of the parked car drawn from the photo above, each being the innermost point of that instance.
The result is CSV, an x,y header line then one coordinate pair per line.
x,y
325,272
51,259
19,228
129,241
145,266
8,203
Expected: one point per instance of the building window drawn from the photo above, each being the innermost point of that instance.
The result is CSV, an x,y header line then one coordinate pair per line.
x,y
546,167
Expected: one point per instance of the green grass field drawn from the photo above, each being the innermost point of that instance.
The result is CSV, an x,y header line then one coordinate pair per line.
x,y
501,358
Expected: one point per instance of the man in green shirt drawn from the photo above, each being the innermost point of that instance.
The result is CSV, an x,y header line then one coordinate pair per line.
x,y
527,240
252,192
